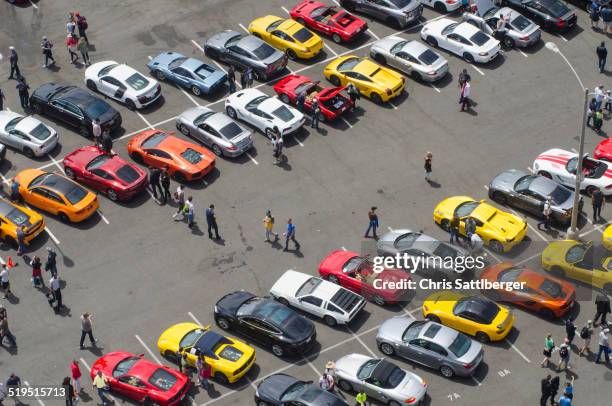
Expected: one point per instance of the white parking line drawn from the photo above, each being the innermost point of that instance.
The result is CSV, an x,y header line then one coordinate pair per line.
x,y
478,70
197,46
250,382
40,402
220,66
562,37
495,257
522,261
103,217
392,105
523,53
251,158
55,162
330,49
518,351
374,35
475,380
361,342
53,237
535,230
390,229
316,371
33,4
343,248
298,140
435,88
597,227
146,347
486,187
145,120
194,318
574,150
529,169
244,28
346,122
285,9
154,125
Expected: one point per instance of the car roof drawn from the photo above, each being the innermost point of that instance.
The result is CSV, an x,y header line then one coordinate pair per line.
x,y
543,185
414,47
465,29
218,120
249,42
122,72
444,335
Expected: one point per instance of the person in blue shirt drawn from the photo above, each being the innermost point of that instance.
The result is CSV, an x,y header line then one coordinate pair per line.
x,y
565,401
211,221
15,196
290,235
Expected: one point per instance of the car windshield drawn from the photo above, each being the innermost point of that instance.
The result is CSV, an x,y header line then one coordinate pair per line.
x,y
576,253
232,41
560,194
177,62
398,47
302,35
97,109
293,391
104,71
400,3
283,113
154,140
191,338
479,38
204,71
405,241
465,209
510,274
97,162
128,174
203,117
13,123
349,64
414,330
520,23
555,7
460,345
137,81
319,11
192,156
231,130
40,132
449,28
365,371
264,51
124,366
353,264
551,288
309,286
162,380
428,57
523,183
304,86
75,194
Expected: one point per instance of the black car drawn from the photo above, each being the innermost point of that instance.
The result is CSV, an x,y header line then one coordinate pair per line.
x,y
282,389
75,107
552,15
266,321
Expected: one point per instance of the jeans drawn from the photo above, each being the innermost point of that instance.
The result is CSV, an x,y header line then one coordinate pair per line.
x,y
190,220
15,70
165,194
454,235
372,226
102,397
602,64
232,86
292,238
154,188
21,245
544,398
73,56
91,337
603,317
270,233
23,99
47,57
314,123
212,225
596,212
85,56
603,350
597,105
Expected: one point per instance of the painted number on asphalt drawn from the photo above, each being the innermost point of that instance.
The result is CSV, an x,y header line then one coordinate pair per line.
x,y
454,396
504,372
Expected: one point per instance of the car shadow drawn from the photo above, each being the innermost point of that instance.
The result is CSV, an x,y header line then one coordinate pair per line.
x,y
152,108
210,178
136,201
358,42
533,49
88,223
572,33
494,64
318,58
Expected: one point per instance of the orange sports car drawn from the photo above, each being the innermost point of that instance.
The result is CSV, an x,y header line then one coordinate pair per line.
x,y
56,194
185,160
544,294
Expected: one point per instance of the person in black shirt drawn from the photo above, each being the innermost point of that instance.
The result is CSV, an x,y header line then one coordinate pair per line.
x,y
598,201
24,94
231,79
545,386
602,303
602,54
13,60
165,184
464,76
2,99
454,229
106,142
154,175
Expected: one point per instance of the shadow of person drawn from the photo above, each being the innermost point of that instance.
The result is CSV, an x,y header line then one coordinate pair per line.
x,y
434,184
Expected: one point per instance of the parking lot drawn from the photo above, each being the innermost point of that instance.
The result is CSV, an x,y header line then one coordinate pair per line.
x,y
140,272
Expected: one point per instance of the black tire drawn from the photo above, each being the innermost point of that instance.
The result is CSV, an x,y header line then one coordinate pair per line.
x,y
387,349
508,42
337,38
380,59
136,157
211,53
28,152
92,86
447,371
468,57
282,301
196,90
160,75
335,80
394,23
269,133
84,130
416,76
557,271
291,54
330,321
278,350
284,98
171,356
496,246
231,112
130,105
434,318
345,386
180,178
261,403
217,150
482,337
112,195
333,279
445,225
545,174
221,378
379,300
375,97
440,7
432,41
223,323
183,129
69,173
63,217
499,198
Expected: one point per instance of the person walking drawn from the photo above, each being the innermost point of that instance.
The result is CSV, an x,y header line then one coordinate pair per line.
x,y
71,46
268,222
290,235
608,101
87,330
602,55
586,333
71,25
82,26
564,355
546,214
100,384
165,184
56,292
545,389
464,97
71,398
604,346
5,332
179,196
231,79
326,382
21,245
599,96
568,392
427,166
598,120
554,389
464,77
243,79
372,223
361,398
602,304
2,98
15,195
14,63
36,265
316,111
204,373
453,228
96,131
14,382
189,210
24,94
211,222
154,176
354,94
470,229
83,47
598,201
46,47
5,283
75,373
591,112
570,330
594,15
51,264
277,146
106,142
249,77
549,345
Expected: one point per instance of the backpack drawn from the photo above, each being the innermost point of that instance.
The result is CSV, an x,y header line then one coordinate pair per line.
x,y
584,333
563,352
83,23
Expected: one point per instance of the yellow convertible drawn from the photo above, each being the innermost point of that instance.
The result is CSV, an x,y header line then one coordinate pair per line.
x,y
372,80
287,35
581,261
473,315
229,358
499,230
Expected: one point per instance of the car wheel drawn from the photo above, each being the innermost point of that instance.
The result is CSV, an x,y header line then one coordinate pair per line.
x,y
285,98
211,53
63,217
393,403
11,242
387,349
330,321
28,152
482,337
337,38
112,195
445,224
291,54
440,7
170,355
416,76
180,178
589,190
269,133
160,75
496,246
333,279
231,112
375,97
508,42
499,198
261,403
335,80
345,386
69,172
468,57
217,150
282,301
278,350
130,105
84,131
557,271
92,85
221,378
380,59
196,90
379,300
223,323
547,314
432,41
434,318
136,157
447,371
608,289
545,174
393,22
183,129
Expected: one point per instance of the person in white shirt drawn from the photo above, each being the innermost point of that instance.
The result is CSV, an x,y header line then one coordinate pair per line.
x,y
96,130
56,292
604,346
599,96
4,281
466,91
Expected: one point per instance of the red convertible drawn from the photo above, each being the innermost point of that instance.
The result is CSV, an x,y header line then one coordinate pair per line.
x,y
108,173
146,382
331,100
356,273
339,24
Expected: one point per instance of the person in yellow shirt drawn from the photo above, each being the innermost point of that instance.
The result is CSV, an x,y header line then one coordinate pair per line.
x,y
100,384
269,226
361,399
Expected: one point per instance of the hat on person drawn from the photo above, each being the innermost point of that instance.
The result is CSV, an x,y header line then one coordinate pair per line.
x,y
44,37
330,365
606,330
12,48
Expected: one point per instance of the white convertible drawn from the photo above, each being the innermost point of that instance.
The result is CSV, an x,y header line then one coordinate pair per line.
x,y
264,112
462,39
560,166
321,298
122,83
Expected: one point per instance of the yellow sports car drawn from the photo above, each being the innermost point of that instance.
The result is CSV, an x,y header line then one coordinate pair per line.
x,y
229,358
374,81
473,315
288,36
581,261
606,239
499,230
13,216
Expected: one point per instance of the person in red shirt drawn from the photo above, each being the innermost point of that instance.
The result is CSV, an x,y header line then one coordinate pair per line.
x,y
71,45
76,377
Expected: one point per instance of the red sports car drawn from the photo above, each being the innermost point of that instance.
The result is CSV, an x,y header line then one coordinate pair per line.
x,y
603,150
108,173
339,24
544,294
133,377
331,100
356,273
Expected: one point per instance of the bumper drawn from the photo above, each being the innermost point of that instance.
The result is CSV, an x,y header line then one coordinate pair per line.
x,y
129,193
534,38
435,77
501,334
236,378
398,90
34,234
46,149
237,152
352,35
487,58
85,213
304,347
314,51
140,105
519,237
200,174
411,17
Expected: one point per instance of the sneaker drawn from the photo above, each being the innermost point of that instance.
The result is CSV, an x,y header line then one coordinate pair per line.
x,y
44,66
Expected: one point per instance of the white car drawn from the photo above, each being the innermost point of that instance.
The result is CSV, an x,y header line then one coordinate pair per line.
x,y
560,165
380,379
264,112
321,298
443,6
122,83
462,39
26,134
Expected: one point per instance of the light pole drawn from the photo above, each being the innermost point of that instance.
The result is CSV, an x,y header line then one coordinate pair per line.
x,y
572,232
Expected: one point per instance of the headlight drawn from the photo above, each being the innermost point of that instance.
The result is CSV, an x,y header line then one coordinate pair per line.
x,y
483,53
216,309
257,392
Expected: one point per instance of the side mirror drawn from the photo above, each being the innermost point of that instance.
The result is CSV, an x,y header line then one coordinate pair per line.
x,y
140,355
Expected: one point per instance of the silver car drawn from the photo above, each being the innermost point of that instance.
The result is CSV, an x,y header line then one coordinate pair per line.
x,y
26,134
396,13
439,255
520,31
410,57
430,344
379,379
221,134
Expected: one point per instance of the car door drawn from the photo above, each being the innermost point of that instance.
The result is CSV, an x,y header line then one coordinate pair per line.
x,y
182,76
416,350
279,39
601,274
132,387
11,138
100,179
249,327
360,81
534,203
583,270
311,304
467,322
203,134
403,62
319,25
157,157
533,10
57,109
38,196
237,56
453,43
267,333
74,115
372,387
351,281
108,86
375,8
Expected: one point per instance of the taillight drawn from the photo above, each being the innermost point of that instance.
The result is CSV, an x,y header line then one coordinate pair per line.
x,y
389,92
467,366
269,69
433,72
142,99
232,148
609,187
410,400
483,53
561,23
524,38
451,1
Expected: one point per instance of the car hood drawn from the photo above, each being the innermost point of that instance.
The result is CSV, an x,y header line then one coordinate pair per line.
x,y
164,59
555,251
232,301
218,40
274,386
507,179
6,116
394,327
350,364
172,336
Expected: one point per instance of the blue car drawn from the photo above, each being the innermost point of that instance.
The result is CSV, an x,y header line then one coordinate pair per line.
x,y
191,73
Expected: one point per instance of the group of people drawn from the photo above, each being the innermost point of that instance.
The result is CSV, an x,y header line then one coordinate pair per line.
x,y
602,101
601,9
327,383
